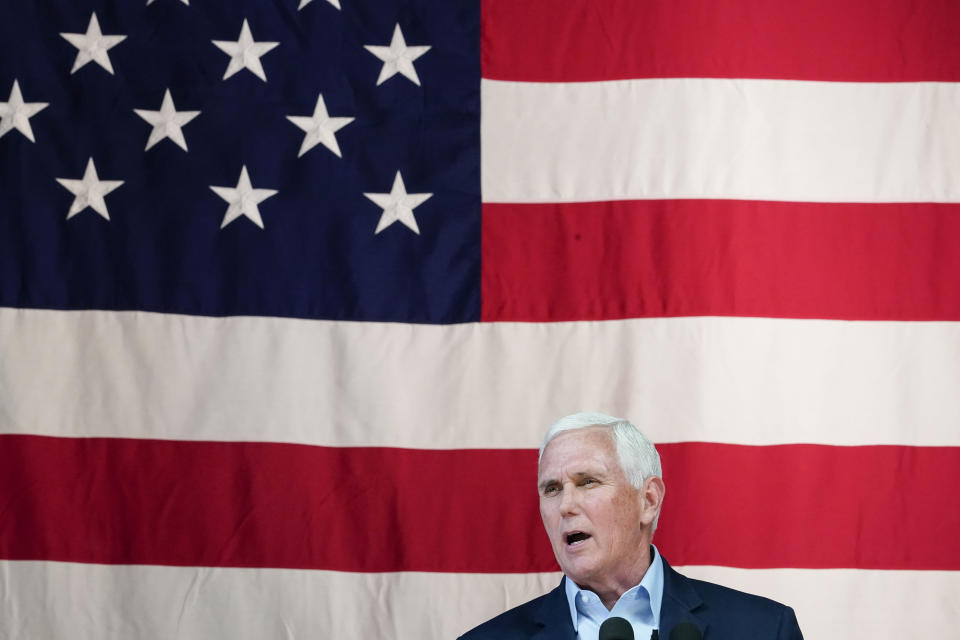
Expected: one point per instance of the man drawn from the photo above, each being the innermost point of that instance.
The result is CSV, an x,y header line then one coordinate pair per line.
x,y
601,491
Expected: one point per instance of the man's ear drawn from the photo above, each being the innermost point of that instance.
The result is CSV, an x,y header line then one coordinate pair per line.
x,y
653,492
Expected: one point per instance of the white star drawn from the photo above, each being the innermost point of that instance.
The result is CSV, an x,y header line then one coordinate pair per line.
x,y
320,128
243,200
245,53
167,122
397,58
186,2
16,114
304,3
398,205
92,45
89,191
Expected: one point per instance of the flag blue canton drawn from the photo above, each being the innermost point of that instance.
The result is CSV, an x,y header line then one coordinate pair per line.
x,y
163,248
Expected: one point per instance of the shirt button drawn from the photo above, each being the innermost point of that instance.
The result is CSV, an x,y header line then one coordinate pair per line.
x,y
584,598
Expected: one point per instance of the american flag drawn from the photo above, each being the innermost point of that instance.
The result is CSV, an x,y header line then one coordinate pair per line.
x,y
290,290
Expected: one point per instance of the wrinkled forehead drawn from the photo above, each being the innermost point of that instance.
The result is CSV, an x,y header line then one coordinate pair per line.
x,y
579,451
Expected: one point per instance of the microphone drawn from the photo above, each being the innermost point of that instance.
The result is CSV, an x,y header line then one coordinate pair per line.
x,y
686,631
616,628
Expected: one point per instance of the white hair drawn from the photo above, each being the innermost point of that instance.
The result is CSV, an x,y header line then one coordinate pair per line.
x,y
637,454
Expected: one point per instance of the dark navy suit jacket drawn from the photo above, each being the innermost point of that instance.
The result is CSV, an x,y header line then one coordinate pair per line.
x,y
719,612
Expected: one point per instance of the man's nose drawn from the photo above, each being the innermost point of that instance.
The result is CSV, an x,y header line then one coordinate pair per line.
x,y
570,502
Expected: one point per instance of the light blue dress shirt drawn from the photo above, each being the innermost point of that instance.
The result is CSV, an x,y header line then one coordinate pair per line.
x,y
640,605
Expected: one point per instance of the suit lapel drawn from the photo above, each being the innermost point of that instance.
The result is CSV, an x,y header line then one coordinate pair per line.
x,y
552,617
680,599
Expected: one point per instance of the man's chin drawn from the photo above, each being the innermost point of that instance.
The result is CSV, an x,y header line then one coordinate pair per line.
x,y
579,569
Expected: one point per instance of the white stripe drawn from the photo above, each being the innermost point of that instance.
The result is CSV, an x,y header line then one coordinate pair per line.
x,y
718,138
852,603
97,602
738,380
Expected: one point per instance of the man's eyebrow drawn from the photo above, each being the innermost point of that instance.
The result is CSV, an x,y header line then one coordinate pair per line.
x,y
579,475
546,483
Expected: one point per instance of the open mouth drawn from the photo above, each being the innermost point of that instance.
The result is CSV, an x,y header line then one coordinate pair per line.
x,y
576,537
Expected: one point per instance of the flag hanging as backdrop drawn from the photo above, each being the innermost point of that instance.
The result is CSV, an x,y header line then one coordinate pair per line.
x,y
290,290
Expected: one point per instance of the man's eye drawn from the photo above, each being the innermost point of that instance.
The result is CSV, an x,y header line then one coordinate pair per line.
x,y
587,481
551,490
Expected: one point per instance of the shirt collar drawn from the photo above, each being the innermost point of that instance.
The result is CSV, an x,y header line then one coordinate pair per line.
x,y
652,584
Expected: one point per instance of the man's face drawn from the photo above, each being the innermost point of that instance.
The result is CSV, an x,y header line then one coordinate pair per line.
x,y
598,523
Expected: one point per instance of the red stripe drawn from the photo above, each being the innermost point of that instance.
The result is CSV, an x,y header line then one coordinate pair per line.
x,y
281,505
811,506
852,40
652,258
